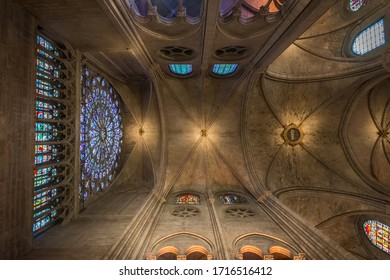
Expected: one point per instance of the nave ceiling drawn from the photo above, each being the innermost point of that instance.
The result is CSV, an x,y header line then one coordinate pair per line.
x,y
211,134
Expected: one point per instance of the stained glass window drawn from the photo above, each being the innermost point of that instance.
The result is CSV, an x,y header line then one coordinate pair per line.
x,y
355,5
181,69
370,38
231,198
187,199
168,8
378,234
50,133
101,133
224,69
249,8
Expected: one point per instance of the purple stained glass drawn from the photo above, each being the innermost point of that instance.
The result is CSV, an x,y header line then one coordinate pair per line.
x,y
355,5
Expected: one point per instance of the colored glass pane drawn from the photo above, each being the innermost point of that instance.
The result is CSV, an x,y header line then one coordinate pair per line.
x,y
224,69
370,38
50,112
355,5
232,199
249,8
187,199
180,69
101,133
378,234
168,8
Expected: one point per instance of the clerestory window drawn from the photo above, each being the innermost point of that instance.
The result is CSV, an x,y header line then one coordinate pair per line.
x,y
370,38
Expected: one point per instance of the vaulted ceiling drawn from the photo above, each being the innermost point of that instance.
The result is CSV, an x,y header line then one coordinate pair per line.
x,y
208,133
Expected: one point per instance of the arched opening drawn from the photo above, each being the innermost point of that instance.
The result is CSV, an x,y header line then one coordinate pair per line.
x,y
196,253
167,253
378,234
280,253
251,253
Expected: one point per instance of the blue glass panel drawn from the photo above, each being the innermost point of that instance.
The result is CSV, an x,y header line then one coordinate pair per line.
x,y
370,38
180,69
224,69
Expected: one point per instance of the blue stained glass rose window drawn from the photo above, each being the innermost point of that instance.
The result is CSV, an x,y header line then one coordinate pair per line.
x,y
101,133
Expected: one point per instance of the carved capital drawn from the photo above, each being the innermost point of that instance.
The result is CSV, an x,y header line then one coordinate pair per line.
x,y
300,256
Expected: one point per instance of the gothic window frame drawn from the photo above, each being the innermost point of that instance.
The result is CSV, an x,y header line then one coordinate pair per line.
x,y
97,175
364,12
53,186
353,9
361,27
141,9
179,201
181,70
240,199
379,31
218,69
385,236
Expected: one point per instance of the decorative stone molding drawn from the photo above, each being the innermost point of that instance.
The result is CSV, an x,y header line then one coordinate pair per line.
x,y
300,256
263,197
387,209
268,257
293,135
185,211
240,212
386,60
176,53
231,52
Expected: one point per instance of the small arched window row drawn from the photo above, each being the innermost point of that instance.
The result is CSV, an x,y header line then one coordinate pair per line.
x,y
168,9
370,38
378,234
195,252
193,199
219,69
249,252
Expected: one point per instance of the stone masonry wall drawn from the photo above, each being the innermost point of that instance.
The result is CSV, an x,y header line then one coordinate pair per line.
x,y
17,37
